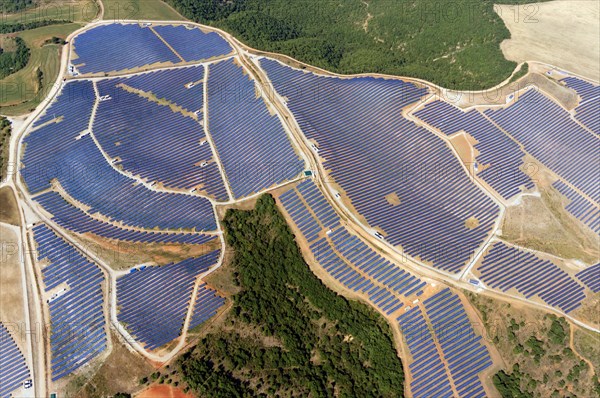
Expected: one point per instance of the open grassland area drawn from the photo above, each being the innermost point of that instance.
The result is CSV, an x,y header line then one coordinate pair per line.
x,y
542,223
139,9
22,91
588,343
452,44
538,34
120,372
53,10
287,334
9,210
540,357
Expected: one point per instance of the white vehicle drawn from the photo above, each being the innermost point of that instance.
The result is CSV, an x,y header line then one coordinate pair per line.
x,y
203,164
314,147
190,85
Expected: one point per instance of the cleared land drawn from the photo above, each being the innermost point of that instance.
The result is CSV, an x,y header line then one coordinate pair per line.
x,y
120,372
139,9
22,91
8,207
538,33
11,292
537,351
542,223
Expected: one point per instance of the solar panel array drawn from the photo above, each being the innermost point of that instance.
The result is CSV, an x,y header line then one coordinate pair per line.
x,y
115,47
252,145
505,267
429,375
372,151
591,277
74,219
158,144
580,207
589,108
13,369
462,349
153,301
498,154
183,87
77,332
47,145
548,133
206,305
345,257
59,151
193,44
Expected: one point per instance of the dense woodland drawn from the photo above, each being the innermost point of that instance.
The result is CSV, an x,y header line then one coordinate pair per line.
x,y
453,44
12,61
8,6
5,130
287,334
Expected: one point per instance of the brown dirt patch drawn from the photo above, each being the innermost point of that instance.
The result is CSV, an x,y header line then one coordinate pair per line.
x,y
393,199
9,210
163,391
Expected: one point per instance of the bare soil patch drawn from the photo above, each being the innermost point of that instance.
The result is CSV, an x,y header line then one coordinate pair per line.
x,y
120,372
9,209
542,223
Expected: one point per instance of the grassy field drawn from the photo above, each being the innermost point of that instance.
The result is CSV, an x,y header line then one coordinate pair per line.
x,y
21,92
61,10
453,44
139,9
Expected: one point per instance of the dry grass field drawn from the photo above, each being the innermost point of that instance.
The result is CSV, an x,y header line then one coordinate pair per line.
x,y
8,207
564,33
11,292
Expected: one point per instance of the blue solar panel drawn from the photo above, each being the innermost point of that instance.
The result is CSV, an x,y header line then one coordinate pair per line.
x,y
153,301
252,145
13,368
74,219
549,134
77,319
505,267
580,207
116,47
158,144
206,305
499,159
192,44
372,151
591,277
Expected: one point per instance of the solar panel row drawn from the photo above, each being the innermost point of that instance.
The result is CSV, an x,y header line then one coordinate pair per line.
x,y
77,332
372,151
505,267
153,301
76,220
13,368
580,207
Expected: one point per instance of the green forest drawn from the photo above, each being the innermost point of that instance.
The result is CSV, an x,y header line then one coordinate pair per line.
x,y
8,6
287,334
12,61
453,44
